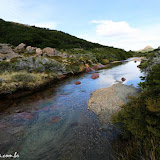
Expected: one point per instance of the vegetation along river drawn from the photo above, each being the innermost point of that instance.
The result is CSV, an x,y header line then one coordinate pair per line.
x,y
55,124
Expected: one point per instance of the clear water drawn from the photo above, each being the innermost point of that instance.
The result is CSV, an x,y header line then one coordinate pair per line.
x,y
55,124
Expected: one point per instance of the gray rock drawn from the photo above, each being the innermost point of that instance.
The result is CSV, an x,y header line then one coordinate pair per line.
x,y
6,52
2,57
49,51
30,49
5,49
106,101
20,48
38,51
53,52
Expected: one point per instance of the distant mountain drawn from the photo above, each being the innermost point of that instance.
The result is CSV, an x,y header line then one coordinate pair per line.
x,y
147,49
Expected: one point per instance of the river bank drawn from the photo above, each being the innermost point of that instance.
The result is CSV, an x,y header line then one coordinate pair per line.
x,y
26,69
29,83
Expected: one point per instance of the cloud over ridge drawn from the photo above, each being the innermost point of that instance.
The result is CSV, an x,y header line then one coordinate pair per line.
x,y
110,28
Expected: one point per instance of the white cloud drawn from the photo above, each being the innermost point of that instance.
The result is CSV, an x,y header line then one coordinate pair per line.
x,y
11,10
109,28
27,12
122,35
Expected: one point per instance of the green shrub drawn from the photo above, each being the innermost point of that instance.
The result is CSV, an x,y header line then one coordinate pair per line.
x,y
23,77
141,118
105,61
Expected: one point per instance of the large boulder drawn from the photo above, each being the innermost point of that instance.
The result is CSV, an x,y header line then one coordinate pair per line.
x,y
5,49
106,101
20,48
49,51
30,49
53,52
6,52
38,51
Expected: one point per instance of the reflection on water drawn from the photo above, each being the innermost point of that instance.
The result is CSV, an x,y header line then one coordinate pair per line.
x,y
56,124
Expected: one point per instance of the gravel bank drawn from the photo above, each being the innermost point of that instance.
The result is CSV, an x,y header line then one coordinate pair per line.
x,y
103,102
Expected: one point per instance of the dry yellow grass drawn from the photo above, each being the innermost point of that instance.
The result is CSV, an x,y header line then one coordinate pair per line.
x,y
10,83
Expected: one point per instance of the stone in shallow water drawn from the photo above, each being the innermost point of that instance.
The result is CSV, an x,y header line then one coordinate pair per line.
x,y
139,66
95,76
123,79
54,119
77,82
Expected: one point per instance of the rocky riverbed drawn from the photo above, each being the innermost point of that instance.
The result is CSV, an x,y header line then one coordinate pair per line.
x,y
106,101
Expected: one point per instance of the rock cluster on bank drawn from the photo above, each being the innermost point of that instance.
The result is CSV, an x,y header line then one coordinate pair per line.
x,y
26,68
8,52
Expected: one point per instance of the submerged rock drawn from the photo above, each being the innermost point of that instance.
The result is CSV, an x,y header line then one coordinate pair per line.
x,y
95,76
54,119
77,83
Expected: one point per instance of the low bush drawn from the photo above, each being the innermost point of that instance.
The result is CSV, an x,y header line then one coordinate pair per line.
x,y
23,77
141,120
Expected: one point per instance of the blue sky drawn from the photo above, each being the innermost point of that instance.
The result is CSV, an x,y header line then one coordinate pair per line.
x,y
127,24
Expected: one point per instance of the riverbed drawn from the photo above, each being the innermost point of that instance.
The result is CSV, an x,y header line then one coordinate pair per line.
x,y
55,124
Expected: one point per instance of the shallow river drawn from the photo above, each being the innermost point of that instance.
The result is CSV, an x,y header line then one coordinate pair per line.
x,y
55,124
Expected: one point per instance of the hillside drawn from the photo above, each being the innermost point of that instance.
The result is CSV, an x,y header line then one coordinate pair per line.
x,y
40,37
15,33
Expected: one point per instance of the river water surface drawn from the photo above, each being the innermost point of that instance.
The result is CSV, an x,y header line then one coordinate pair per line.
x,y
55,124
